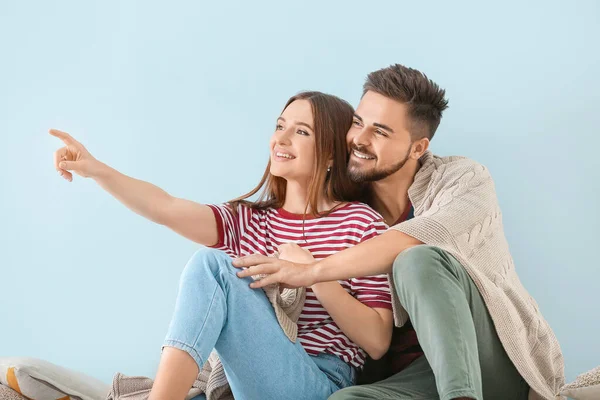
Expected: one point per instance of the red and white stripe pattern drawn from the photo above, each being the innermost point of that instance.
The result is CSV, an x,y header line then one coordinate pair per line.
x,y
262,231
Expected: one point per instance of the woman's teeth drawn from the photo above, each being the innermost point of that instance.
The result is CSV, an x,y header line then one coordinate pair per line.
x,y
285,155
363,155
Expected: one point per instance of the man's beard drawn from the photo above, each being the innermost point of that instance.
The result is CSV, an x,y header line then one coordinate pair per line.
x,y
374,174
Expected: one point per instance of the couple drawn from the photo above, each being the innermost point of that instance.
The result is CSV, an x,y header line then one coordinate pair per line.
x,y
466,327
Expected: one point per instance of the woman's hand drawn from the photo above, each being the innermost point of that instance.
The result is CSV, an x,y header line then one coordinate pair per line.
x,y
294,253
190,219
73,157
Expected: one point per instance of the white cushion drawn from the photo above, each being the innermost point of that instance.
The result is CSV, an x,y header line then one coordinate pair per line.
x,y
42,380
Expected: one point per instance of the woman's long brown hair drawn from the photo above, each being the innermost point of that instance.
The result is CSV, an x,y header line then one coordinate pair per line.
x,y
332,120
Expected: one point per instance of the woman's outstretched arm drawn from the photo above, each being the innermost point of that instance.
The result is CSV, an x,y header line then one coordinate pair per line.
x,y
190,219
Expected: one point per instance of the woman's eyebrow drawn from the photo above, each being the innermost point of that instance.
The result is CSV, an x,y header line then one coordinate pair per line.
x,y
299,123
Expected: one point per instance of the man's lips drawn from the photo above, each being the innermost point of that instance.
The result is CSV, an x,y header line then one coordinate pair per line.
x,y
362,155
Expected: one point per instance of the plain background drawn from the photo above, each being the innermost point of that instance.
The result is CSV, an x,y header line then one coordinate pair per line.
x,y
185,95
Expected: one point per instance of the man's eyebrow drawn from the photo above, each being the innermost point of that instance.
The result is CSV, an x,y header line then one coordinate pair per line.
x,y
377,124
383,126
299,123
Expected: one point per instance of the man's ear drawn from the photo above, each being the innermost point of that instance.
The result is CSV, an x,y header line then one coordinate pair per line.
x,y
419,147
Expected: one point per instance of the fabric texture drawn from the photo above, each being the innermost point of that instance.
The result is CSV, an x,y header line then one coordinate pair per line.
x,y
585,387
246,231
39,379
7,393
456,210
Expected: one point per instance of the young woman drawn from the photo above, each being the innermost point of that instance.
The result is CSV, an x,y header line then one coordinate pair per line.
x,y
306,210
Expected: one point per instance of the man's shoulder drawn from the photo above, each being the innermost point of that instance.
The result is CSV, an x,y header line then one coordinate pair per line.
x,y
431,163
430,158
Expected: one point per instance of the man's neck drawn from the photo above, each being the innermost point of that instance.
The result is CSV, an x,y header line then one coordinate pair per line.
x,y
389,196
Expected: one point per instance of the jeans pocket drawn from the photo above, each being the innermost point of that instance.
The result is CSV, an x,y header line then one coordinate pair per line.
x,y
347,375
342,374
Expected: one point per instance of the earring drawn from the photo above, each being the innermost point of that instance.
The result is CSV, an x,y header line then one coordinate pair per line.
x,y
328,169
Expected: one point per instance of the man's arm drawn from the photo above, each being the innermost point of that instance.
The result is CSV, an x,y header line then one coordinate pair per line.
x,y
463,210
369,327
372,257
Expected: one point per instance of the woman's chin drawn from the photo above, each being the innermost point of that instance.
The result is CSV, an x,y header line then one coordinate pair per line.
x,y
290,174
278,173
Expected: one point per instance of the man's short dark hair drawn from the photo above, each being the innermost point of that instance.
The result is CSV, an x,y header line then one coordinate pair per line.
x,y
424,98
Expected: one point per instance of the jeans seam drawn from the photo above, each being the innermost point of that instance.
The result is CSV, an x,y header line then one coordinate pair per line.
x,y
463,348
186,347
443,257
212,301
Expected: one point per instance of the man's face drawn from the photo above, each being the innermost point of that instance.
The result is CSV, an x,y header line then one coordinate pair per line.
x,y
379,141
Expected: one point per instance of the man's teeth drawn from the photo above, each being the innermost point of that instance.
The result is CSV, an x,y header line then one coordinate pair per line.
x,y
363,155
285,155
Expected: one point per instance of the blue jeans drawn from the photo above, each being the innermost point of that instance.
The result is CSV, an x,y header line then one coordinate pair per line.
x,y
217,310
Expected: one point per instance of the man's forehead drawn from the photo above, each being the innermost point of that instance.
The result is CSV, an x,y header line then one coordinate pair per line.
x,y
375,107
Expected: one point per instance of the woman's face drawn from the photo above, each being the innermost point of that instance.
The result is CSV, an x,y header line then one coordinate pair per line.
x,y
293,154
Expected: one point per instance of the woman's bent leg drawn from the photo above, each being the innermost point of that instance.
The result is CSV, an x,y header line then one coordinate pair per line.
x,y
217,310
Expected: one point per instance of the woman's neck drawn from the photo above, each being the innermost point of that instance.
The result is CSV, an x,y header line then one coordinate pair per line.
x,y
296,200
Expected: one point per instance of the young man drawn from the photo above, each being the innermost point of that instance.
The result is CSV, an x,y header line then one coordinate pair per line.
x,y
452,274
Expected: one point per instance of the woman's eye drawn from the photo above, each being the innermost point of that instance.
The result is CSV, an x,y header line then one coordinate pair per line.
x,y
356,123
301,132
278,127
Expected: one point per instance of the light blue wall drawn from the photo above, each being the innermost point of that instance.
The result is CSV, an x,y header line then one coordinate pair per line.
x,y
185,95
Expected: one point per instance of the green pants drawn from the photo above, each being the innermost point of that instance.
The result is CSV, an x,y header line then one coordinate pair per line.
x,y
463,355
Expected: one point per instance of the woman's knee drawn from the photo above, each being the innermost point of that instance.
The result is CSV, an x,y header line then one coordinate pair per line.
x,y
205,259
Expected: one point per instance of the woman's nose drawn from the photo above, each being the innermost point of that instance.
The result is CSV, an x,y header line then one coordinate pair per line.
x,y
284,137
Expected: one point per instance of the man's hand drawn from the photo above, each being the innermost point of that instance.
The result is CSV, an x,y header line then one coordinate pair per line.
x,y
286,273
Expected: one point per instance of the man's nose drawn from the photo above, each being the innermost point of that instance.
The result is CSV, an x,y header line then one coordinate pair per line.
x,y
361,139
